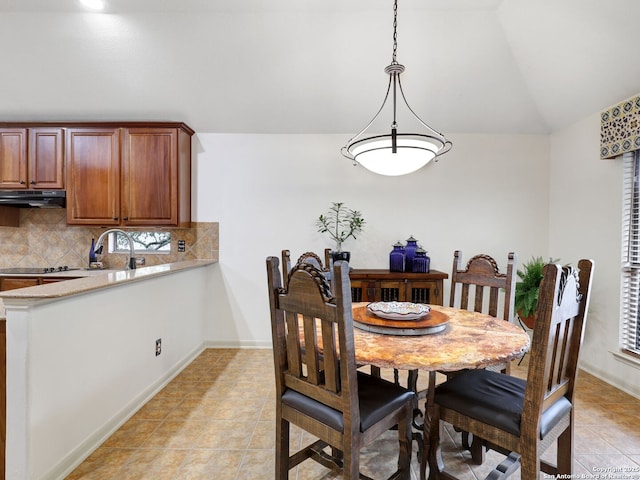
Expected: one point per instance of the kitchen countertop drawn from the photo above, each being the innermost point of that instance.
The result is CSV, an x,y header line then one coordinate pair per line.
x,y
92,280
76,272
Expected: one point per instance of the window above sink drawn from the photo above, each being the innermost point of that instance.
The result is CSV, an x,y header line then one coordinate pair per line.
x,y
144,242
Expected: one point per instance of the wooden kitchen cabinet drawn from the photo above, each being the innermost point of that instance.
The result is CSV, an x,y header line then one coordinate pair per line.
x,y
156,177
11,283
386,286
46,158
13,158
135,175
115,173
45,280
31,158
93,176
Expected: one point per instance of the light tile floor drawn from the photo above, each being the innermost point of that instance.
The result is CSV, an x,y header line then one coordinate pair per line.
x,y
215,420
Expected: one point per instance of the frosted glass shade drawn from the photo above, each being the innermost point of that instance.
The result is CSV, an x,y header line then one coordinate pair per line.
x,y
413,151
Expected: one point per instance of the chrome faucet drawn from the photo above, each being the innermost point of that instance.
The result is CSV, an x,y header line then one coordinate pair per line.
x,y
132,259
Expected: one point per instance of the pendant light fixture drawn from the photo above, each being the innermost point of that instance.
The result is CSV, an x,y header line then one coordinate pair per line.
x,y
396,153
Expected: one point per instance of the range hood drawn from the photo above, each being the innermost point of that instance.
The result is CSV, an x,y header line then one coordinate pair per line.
x,y
33,198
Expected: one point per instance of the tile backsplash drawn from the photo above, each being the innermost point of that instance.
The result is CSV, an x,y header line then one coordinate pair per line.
x,y
45,240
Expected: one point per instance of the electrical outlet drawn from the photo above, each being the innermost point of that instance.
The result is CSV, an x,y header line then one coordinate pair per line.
x,y
182,246
140,261
158,346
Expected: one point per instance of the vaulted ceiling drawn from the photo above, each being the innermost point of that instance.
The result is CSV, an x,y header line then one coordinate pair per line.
x,y
317,66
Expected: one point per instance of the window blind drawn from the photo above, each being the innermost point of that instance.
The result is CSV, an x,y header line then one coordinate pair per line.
x,y
630,278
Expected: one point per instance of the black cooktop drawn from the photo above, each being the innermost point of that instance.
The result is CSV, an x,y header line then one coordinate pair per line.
x,y
33,270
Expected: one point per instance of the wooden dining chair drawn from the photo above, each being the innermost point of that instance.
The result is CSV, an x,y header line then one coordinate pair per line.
x,y
481,287
523,418
307,257
345,409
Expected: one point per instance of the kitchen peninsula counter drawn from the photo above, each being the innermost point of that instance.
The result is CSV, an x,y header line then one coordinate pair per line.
x,y
83,355
92,280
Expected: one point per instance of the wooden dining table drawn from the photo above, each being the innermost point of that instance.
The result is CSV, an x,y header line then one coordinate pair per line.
x,y
463,340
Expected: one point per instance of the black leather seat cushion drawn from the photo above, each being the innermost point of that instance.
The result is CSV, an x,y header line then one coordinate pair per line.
x,y
495,399
377,397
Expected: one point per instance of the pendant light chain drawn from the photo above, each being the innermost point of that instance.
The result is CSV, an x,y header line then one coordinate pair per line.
x,y
395,32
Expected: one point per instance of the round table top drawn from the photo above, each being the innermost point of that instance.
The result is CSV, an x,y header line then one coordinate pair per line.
x,y
470,340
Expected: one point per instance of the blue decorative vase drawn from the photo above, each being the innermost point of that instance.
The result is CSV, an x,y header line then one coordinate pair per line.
x,y
421,262
410,252
396,258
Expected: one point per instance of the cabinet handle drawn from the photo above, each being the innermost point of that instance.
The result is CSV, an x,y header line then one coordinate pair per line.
x,y
32,182
22,182
115,218
125,218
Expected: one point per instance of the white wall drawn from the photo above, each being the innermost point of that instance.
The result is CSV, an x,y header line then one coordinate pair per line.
x,y
488,195
585,221
536,195
79,366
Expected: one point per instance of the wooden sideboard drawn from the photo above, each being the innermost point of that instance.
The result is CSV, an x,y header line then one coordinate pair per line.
x,y
378,285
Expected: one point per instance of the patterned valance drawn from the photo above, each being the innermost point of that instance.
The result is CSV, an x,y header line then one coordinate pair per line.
x,y
620,128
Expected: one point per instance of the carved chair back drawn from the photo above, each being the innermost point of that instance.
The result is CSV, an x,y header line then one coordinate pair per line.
x,y
307,257
469,285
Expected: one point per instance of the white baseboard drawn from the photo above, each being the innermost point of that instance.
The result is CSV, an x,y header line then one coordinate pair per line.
x,y
630,389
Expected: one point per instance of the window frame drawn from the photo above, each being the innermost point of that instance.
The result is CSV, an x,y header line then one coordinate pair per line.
x,y
630,258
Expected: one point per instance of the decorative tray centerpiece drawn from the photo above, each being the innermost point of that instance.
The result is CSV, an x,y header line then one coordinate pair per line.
x,y
399,310
399,318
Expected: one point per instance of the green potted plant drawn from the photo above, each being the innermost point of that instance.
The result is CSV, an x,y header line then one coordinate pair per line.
x,y
340,223
527,289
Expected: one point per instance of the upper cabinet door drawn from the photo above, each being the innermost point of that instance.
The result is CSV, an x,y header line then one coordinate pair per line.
x,y
156,176
150,176
13,158
46,158
93,176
